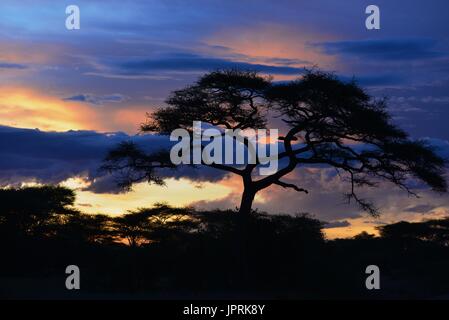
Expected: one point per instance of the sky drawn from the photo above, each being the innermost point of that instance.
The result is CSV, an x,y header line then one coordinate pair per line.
x,y
67,96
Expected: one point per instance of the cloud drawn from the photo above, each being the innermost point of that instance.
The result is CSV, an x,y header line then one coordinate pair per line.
x,y
185,62
421,208
424,99
54,157
7,65
375,80
32,108
285,61
375,222
97,99
337,224
385,49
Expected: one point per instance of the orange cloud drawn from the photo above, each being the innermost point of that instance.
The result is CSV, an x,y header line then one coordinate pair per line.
x,y
129,119
27,108
264,41
179,192
16,51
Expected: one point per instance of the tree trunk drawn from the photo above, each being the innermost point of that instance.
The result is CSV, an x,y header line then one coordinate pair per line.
x,y
242,239
247,201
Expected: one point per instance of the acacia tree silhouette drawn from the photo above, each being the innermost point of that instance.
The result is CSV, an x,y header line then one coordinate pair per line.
x,y
31,210
329,122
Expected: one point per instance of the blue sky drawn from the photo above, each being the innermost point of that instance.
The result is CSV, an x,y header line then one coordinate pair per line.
x,y
144,49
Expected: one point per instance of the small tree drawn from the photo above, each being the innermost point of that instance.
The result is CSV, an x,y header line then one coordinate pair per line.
x,y
435,231
329,122
134,226
31,210
87,228
145,225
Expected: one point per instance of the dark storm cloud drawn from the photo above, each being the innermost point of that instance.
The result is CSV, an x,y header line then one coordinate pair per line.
x,y
375,222
385,49
337,224
286,61
52,157
192,62
422,208
375,80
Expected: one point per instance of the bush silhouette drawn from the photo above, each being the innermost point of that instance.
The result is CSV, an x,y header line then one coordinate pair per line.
x,y
175,252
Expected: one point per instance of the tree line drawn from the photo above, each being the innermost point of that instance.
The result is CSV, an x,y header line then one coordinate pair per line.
x,y
180,252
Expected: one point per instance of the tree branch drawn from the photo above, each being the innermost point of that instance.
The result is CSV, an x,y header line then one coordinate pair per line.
x,y
289,185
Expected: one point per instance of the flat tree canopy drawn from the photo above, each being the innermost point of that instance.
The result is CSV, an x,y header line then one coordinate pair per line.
x,y
329,122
